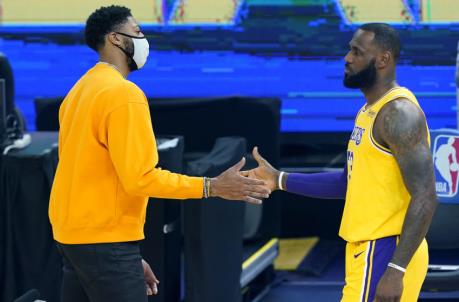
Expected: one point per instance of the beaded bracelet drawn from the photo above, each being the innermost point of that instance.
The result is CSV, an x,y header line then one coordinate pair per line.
x,y
209,188
206,187
205,191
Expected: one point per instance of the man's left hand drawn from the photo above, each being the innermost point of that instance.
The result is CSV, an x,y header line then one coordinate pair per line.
x,y
151,282
390,286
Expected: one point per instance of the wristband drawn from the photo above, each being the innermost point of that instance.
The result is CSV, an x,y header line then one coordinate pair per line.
x,y
397,267
279,180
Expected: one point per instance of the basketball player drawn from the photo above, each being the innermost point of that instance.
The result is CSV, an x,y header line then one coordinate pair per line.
x,y
388,183
107,170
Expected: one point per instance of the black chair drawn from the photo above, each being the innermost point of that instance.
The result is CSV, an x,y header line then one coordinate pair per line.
x,y
213,232
443,235
6,73
47,113
162,245
14,125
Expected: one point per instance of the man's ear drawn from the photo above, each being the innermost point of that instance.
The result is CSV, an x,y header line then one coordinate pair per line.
x,y
113,38
383,59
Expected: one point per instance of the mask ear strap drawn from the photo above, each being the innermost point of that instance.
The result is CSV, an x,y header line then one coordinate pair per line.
x,y
130,36
130,56
125,52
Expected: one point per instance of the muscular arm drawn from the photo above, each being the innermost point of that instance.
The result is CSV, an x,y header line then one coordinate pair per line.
x,y
402,127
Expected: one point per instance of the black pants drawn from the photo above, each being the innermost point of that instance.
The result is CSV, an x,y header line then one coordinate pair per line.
x,y
102,272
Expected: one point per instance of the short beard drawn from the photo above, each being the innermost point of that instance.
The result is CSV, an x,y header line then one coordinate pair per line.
x,y
129,47
365,78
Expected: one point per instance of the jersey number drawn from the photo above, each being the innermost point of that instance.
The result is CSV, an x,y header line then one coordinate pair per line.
x,y
350,161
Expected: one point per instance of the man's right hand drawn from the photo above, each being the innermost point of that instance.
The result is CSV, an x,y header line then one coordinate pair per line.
x,y
233,186
264,171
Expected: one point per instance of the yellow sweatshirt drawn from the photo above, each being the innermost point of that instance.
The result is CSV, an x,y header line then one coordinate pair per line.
x,y
107,163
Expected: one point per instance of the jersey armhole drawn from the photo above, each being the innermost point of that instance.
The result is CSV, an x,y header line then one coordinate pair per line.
x,y
377,145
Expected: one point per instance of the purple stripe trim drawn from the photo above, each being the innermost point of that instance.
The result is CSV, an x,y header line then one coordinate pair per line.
x,y
367,273
384,250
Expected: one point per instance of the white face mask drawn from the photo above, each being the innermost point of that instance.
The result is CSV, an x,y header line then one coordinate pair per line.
x,y
141,50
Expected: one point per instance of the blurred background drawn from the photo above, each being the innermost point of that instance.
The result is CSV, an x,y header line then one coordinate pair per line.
x,y
291,49
222,55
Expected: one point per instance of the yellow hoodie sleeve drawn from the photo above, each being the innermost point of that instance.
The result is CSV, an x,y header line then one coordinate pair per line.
x,y
132,147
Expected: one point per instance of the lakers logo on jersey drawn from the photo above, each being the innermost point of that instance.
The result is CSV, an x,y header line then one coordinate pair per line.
x,y
357,135
445,157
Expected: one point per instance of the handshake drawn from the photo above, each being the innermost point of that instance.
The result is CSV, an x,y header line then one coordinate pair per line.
x,y
251,186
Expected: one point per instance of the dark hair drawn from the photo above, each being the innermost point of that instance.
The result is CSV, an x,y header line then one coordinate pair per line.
x,y
386,37
102,21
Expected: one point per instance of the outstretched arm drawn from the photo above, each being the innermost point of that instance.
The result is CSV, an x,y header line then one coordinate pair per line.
x,y
402,126
129,137
318,185
328,185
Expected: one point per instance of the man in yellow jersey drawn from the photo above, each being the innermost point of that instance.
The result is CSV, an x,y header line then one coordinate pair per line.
x,y
107,170
388,182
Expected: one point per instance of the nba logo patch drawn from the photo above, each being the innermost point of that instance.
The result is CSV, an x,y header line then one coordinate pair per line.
x,y
446,158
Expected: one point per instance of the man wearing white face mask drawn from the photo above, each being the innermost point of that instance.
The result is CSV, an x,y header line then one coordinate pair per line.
x,y
107,170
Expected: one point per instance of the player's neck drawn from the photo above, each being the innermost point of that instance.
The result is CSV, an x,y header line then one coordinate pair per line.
x,y
117,61
373,94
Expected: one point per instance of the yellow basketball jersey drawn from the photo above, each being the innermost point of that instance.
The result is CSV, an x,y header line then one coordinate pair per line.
x,y
376,197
